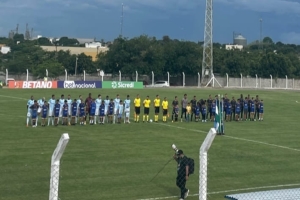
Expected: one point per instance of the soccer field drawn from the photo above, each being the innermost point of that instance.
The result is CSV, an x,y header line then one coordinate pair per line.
x,y
117,161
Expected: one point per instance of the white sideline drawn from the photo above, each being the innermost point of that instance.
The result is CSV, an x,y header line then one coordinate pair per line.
x,y
227,191
236,138
13,97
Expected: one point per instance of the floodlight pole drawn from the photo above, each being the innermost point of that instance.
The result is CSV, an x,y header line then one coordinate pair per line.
x,y
207,62
6,77
136,76
286,82
271,81
152,78
256,83
241,80
27,74
120,76
227,80
168,78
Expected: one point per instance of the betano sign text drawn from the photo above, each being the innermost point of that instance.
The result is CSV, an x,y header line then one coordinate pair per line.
x,y
32,84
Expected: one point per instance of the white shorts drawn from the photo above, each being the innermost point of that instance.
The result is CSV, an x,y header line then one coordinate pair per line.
x,y
50,113
127,114
28,114
97,111
77,112
39,110
115,111
69,111
105,111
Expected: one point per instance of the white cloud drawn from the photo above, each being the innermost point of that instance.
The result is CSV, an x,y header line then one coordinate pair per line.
x,y
291,38
277,6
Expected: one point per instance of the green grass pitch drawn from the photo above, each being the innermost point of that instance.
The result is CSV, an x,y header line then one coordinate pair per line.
x,y
117,162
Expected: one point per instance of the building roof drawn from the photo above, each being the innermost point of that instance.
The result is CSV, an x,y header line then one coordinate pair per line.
x,y
85,40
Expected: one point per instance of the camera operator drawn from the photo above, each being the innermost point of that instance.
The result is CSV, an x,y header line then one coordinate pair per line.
x,y
182,173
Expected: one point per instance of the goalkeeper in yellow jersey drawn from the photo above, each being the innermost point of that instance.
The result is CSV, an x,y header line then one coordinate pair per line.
x,y
146,104
165,106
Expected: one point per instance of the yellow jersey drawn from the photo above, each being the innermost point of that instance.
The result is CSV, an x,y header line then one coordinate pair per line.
x,y
156,102
188,109
137,102
147,103
165,105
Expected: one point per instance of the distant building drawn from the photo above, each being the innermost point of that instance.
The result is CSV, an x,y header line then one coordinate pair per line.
x,y
94,45
85,40
77,50
234,46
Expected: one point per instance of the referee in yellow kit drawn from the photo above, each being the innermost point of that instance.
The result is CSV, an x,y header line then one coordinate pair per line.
x,y
165,107
137,108
146,103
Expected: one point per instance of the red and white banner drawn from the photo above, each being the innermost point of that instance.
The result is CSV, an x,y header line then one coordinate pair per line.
x,y
32,84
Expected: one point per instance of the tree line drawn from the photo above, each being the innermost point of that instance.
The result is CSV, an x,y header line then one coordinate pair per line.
x,y
146,54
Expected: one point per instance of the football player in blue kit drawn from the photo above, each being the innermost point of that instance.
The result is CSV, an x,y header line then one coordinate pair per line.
x,y
252,109
34,113
92,112
82,113
245,102
204,112
44,112
111,108
102,112
65,113
261,110
237,110
228,111
197,112
56,112
74,110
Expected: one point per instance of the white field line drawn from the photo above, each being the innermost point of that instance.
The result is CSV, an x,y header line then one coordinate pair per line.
x,y
229,191
13,97
236,138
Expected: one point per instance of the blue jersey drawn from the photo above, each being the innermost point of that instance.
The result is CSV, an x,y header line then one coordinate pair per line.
x,y
81,109
98,102
117,102
127,103
93,108
245,105
51,103
261,107
228,109
102,110
34,109
213,107
197,111
29,104
65,110
44,111
74,108
238,108
120,109
111,108
56,109
204,110
252,106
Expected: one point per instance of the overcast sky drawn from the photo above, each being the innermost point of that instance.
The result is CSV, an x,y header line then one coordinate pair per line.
x,y
180,19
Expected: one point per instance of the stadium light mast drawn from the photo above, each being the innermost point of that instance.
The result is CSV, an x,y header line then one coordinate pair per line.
x,y
207,62
261,40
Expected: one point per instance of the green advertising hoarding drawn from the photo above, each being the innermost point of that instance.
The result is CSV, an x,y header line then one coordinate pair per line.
x,y
122,85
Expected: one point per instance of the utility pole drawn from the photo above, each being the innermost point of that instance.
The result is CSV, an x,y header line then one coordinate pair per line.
x,y
121,32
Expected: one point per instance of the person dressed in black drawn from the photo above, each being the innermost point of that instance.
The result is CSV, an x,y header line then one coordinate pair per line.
x,y
209,107
233,105
175,109
194,105
182,173
242,106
